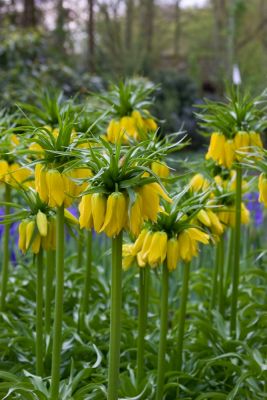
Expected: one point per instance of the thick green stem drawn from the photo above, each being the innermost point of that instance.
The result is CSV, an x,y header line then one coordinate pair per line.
x,y
115,318
80,243
142,321
221,275
214,292
163,332
182,315
6,239
236,269
88,272
49,278
57,329
230,257
39,315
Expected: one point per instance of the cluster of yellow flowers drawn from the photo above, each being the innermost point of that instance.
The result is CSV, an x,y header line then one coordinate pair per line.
x,y
226,215
55,188
223,150
154,248
210,220
110,214
130,127
36,232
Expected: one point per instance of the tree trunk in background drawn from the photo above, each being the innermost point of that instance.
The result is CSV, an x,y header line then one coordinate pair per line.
x,y
91,36
60,26
147,8
220,10
29,13
177,31
129,25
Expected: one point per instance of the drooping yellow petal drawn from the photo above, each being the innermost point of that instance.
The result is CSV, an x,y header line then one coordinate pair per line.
x,y
172,254
41,221
29,233
99,204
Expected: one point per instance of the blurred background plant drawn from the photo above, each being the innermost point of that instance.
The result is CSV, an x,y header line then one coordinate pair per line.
x,y
190,47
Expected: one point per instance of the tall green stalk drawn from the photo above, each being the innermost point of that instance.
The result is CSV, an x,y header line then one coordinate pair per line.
x,y
214,290
80,243
163,332
221,275
237,233
57,329
39,315
6,239
49,278
88,273
230,250
142,321
182,315
115,318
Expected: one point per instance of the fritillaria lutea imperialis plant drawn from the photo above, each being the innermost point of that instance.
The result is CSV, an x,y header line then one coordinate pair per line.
x,y
12,174
56,186
236,125
173,238
37,234
123,193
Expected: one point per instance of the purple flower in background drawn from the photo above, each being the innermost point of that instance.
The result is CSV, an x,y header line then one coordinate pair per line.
x,y
255,208
13,240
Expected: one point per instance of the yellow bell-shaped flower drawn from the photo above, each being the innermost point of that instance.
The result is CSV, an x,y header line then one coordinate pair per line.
x,y
41,220
55,186
85,209
116,214
173,254
98,204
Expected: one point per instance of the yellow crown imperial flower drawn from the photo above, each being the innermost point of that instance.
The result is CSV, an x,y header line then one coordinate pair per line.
x,y
216,146
229,154
41,221
157,251
49,241
55,186
136,215
114,131
216,226
98,204
142,254
255,140
29,233
116,214
198,182
203,217
4,168
85,209
40,182
160,169
139,242
22,236
173,254
262,185
242,140
36,244
127,256
128,127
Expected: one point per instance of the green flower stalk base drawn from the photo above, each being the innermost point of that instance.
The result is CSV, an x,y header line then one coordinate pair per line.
x,y
5,264
39,315
142,321
214,289
221,276
88,272
115,318
163,332
57,329
182,315
49,278
236,269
